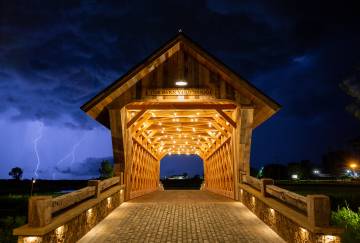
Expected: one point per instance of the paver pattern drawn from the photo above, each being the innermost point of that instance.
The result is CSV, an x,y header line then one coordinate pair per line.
x,y
181,216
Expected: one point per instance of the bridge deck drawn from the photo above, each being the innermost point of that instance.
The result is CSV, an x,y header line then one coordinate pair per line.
x,y
181,216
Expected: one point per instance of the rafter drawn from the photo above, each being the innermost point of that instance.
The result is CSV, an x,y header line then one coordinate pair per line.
x,y
136,117
226,117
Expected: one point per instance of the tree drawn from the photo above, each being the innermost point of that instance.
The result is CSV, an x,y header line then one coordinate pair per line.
x,y
275,171
16,173
351,87
106,170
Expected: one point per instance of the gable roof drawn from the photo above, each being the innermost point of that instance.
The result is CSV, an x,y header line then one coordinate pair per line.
x,y
97,105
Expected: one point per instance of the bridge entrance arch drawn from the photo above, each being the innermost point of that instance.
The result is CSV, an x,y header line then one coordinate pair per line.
x,y
181,100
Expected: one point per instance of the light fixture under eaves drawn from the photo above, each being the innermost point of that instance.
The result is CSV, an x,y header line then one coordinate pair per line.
x,y
181,83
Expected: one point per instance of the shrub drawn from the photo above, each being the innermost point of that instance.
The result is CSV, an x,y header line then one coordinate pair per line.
x,y
349,219
7,224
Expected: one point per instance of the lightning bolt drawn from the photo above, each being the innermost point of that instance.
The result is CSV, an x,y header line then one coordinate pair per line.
x,y
35,142
71,155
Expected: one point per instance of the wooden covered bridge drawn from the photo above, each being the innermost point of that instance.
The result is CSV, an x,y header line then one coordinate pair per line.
x,y
180,100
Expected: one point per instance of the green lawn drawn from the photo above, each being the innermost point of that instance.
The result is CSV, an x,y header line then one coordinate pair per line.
x,y
340,194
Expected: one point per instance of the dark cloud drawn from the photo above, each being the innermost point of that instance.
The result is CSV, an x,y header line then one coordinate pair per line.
x,y
55,55
87,168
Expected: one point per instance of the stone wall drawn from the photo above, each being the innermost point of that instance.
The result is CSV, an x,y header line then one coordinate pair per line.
x,y
289,230
78,226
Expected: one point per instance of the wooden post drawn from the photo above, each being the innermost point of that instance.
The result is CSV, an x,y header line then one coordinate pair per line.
x,y
121,178
39,211
96,184
318,210
117,141
263,184
236,136
242,174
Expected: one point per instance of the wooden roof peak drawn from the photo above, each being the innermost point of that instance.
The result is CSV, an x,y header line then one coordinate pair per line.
x,y
180,41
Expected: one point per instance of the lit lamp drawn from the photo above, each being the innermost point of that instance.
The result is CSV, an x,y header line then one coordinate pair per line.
x,y
181,83
353,166
33,180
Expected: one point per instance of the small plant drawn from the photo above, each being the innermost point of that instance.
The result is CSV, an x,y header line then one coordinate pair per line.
x,y
7,224
349,219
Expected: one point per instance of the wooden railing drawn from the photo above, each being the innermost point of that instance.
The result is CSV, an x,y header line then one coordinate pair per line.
x,y
42,208
294,199
252,181
66,200
105,184
315,207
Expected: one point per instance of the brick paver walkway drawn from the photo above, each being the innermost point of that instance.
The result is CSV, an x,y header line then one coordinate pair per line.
x,y
181,216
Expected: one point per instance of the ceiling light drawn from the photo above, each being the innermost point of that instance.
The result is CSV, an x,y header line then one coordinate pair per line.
x,y
181,83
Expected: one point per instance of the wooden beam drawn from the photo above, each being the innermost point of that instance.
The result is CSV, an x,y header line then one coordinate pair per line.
x,y
219,128
144,147
180,106
217,148
141,122
226,117
222,123
137,116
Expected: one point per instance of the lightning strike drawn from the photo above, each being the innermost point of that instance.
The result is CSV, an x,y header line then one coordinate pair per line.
x,y
71,155
35,142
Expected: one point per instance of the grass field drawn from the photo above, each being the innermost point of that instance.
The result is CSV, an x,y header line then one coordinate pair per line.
x,y
340,194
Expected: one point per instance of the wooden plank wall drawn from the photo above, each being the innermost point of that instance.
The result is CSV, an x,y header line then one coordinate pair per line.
x,y
181,65
145,172
219,171
196,74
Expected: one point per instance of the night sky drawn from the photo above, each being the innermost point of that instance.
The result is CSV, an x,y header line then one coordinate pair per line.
x,y
56,55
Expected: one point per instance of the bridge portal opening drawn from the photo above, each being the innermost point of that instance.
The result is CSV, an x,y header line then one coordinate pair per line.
x,y
154,129
182,172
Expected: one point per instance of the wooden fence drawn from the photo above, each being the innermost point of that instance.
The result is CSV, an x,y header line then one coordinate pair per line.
x,y
315,207
42,208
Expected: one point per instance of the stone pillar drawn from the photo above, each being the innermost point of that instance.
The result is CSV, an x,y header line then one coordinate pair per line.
x,y
96,184
318,210
263,184
39,211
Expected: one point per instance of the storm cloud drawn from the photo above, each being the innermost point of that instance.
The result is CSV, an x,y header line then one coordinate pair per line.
x,y
56,55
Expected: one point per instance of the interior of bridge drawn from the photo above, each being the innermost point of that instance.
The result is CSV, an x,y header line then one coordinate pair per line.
x,y
165,128
183,129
